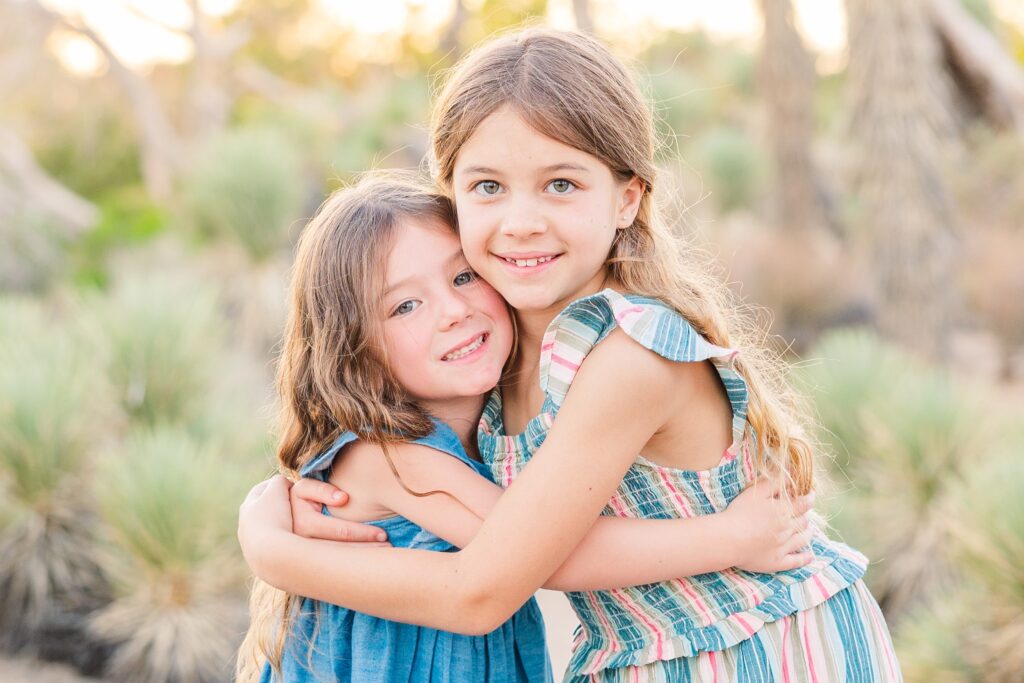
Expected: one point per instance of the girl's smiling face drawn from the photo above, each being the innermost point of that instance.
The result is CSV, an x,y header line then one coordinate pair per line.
x,y
537,217
447,333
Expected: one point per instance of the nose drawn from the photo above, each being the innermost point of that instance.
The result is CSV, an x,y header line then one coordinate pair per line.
x,y
523,220
454,309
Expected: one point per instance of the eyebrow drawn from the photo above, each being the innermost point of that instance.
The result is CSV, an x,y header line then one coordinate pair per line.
x,y
486,170
456,255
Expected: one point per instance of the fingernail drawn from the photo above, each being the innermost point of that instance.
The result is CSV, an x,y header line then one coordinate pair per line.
x,y
382,537
336,495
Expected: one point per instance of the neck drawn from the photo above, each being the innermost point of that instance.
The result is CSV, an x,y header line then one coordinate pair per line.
x,y
462,415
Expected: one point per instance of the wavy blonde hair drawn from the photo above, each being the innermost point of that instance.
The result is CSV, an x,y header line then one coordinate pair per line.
x,y
332,373
569,87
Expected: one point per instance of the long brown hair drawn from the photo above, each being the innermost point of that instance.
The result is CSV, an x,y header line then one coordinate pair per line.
x,y
569,87
332,374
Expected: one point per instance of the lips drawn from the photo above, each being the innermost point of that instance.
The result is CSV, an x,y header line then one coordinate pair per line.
x,y
465,348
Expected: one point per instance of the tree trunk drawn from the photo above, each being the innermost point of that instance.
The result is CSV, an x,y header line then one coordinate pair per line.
x,y
787,80
581,13
901,120
985,72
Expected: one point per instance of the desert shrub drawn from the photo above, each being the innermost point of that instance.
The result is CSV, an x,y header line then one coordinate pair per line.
x,y
247,187
168,504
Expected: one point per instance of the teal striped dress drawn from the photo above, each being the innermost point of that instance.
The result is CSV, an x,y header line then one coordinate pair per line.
x,y
817,623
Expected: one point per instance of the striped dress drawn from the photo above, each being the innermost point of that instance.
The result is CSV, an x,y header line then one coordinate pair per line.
x,y
818,623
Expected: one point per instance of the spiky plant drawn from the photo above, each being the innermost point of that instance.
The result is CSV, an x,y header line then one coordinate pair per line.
x,y
846,373
55,408
988,527
247,188
911,433
169,504
930,645
162,338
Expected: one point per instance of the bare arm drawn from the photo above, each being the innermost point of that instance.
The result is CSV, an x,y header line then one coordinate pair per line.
x,y
528,535
657,550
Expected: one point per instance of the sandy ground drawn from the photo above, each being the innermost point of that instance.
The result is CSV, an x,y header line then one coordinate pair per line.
x,y
31,671
560,621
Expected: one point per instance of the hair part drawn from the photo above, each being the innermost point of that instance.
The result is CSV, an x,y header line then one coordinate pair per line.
x,y
569,87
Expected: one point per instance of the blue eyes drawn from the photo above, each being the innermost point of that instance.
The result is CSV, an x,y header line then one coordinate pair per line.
x,y
560,186
409,305
487,188
405,307
464,278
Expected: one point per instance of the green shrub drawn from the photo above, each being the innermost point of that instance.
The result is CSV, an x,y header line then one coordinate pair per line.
x,y
162,338
732,164
247,187
911,434
55,407
168,504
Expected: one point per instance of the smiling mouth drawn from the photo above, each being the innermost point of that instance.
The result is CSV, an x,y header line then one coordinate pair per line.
x,y
529,262
465,350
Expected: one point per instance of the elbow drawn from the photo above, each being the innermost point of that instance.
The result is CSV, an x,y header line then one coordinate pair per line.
x,y
481,609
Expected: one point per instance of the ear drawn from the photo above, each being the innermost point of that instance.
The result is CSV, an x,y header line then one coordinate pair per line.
x,y
631,193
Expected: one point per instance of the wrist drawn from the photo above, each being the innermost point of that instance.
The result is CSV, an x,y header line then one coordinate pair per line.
x,y
733,540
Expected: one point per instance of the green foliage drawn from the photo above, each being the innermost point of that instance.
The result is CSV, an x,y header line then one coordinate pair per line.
x,y
980,10
247,187
989,525
92,151
55,406
127,217
911,434
931,643
162,339
732,165
168,503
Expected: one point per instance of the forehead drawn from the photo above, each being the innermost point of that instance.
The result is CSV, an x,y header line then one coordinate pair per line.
x,y
419,243
505,139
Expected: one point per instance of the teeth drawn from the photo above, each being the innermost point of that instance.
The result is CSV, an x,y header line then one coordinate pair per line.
x,y
529,262
465,350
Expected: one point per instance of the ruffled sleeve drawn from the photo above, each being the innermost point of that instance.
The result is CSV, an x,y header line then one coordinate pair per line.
x,y
585,322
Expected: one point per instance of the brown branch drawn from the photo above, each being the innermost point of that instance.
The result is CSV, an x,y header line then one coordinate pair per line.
x,y
977,54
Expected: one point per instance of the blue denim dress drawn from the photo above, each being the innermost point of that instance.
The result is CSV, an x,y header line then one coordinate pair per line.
x,y
331,643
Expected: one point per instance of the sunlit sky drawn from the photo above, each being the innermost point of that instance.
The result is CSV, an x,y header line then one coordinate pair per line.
x,y
141,43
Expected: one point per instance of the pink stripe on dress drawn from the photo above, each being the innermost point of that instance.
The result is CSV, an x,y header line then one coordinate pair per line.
x,y
659,645
681,508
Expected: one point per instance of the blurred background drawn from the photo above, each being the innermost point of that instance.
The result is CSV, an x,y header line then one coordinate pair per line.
x,y
856,169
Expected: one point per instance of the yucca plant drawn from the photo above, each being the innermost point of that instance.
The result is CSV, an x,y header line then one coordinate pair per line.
x,y
55,409
911,434
988,527
931,643
169,505
247,188
847,373
162,339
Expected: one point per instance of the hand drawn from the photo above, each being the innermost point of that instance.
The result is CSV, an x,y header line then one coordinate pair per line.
x,y
771,532
264,510
307,498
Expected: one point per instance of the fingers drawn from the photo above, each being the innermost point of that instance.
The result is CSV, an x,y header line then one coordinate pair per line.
x,y
275,484
795,561
313,524
317,491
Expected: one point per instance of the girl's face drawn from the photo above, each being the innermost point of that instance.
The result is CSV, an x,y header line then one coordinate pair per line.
x,y
447,333
536,216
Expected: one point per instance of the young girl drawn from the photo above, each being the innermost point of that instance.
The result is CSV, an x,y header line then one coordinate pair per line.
x,y
664,408
392,346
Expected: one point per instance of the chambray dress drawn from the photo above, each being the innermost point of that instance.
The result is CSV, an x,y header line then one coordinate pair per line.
x,y
817,623
332,643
